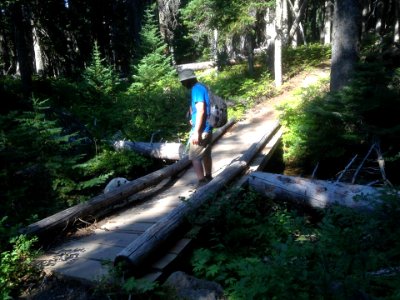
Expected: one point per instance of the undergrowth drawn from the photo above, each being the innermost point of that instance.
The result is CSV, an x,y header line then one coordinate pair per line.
x,y
260,249
330,128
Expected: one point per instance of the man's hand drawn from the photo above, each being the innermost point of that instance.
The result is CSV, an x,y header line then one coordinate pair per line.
x,y
196,138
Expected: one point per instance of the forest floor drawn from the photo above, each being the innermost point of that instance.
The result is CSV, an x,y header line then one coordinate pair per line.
x,y
49,287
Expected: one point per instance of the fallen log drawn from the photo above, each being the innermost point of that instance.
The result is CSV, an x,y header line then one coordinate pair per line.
x,y
167,151
318,194
147,245
196,66
94,207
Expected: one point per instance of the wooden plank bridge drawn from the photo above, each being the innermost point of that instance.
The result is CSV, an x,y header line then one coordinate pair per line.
x,y
130,234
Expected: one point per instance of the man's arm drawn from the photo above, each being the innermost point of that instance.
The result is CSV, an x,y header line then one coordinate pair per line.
x,y
200,114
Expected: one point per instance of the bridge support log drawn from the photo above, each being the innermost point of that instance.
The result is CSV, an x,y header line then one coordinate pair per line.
x,y
143,249
314,193
95,206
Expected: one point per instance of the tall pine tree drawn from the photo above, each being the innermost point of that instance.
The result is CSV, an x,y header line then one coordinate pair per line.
x,y
154,69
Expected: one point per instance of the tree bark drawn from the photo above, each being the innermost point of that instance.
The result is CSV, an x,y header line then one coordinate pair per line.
x,y
278,45
196,66
39,66
317,194
168,151
23,41
328,22
345,47
141,250
270,34
95,206
167,12
297,21
396,38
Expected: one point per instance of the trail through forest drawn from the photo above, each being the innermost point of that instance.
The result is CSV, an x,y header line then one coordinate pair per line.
x,y
51,287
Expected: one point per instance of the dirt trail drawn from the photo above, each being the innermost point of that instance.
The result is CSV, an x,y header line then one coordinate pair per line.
x,y
303,79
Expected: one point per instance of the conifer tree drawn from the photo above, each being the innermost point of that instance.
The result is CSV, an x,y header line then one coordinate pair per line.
x,y
99,75
154,69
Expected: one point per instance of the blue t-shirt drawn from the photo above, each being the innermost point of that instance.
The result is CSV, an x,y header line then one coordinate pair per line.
x,y
200,94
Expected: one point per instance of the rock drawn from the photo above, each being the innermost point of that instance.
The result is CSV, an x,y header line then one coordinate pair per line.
x,y
191,288
115,183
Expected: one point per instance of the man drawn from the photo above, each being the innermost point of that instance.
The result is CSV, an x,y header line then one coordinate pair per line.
x,y
201,132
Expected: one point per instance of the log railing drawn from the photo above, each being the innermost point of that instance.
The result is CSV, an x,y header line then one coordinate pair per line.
x,y
137,254
94,207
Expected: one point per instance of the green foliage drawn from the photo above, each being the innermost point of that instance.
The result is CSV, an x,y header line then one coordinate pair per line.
x,y
154,71
154,102
98,75
115,285
258,249
239,88
37,159
100,88
322,127
300,58
197,16
16,263
114,163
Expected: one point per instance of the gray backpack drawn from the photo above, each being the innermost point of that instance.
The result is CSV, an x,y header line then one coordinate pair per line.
x,y
218,110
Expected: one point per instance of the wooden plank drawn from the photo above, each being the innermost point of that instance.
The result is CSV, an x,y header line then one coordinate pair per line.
x,y
140,251
86,271
112,238
95,206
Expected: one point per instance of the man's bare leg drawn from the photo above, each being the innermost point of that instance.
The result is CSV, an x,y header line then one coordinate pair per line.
x,y
198,168
207,164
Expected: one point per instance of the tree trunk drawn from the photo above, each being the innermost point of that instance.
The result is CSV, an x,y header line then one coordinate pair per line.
x,y
345,47
168,151
39,67
270,34
285,23
366,8
196,66
5,51
250,52
318,194
278,45
141,250
97,205
328,22
23,42
167,12
214,46
397,22
298,15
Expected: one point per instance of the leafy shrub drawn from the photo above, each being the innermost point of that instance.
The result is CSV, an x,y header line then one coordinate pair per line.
x,y
240,90
154,101
258,249
37,159
300,58
332,128
16,263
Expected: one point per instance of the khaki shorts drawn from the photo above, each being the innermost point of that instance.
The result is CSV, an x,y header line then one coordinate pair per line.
x,y
203,149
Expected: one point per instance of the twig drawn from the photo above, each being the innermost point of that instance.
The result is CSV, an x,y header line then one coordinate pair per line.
x,y
362,163
83,221
315,170
346,168
381,163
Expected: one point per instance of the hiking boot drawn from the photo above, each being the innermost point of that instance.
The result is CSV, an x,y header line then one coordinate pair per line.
x,y
202,182
208,178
